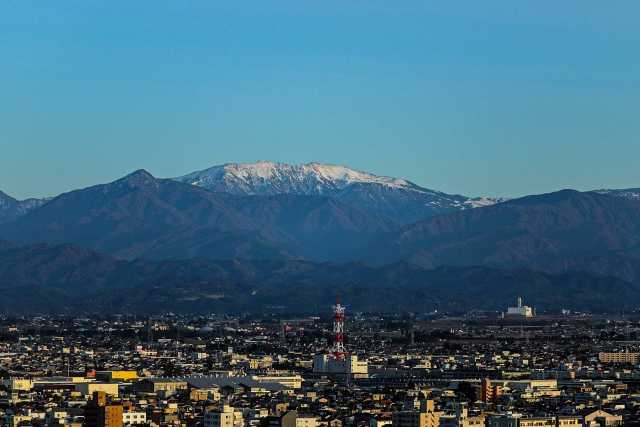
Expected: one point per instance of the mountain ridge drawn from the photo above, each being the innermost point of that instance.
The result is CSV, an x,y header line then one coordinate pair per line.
x,y
67,278
629,193
12,209
566,226
395,197
142,216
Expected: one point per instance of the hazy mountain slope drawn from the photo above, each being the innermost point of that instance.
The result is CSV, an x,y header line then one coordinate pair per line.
x,y
575,291
408,205
137,215
322,228
545,229
141,216
623,264
394,197
5,244
68,267
78,269
207,243
68,278
12,209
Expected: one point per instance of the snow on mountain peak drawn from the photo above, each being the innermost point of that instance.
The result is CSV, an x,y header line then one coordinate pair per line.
x,y
268,178
630,193
395,197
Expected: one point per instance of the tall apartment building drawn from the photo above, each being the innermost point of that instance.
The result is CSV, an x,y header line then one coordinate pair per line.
x,y
486,392
427,417
100,413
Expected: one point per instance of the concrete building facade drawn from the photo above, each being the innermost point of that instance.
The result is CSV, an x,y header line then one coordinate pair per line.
x,y
324,363
100,413
427,417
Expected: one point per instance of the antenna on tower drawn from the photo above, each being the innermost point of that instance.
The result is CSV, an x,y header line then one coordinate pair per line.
x,y
338,349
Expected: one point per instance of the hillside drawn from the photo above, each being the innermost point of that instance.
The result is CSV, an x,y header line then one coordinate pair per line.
x,y
394,197
12,209
141,216
556,231
67,279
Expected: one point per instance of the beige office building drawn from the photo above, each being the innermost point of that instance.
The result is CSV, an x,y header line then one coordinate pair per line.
x,y
427,417
621,357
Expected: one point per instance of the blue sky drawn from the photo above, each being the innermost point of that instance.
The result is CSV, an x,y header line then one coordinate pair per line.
x,y
481,98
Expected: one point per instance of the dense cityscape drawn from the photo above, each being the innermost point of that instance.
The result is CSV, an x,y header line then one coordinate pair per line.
x,y
506,369
242,213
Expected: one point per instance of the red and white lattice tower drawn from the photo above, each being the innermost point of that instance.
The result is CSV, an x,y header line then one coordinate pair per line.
x,y
338,349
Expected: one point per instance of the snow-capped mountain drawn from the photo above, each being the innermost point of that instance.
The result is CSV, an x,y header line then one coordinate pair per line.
x,y
12,209
139,216
270,178
395,197
631,193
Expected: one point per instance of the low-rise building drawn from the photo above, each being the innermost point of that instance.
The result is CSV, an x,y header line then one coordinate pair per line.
x,y
225,416
426,417
134,418
349,364
620,357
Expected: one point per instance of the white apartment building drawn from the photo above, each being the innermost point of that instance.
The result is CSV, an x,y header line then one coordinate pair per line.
x,y
225,416
134,418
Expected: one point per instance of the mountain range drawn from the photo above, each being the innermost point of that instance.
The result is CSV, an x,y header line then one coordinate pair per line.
x,y
12,209
551,232
140,216
268,225
397,198
55,279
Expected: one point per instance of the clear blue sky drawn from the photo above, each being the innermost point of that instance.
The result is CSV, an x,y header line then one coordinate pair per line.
x,y
470,97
